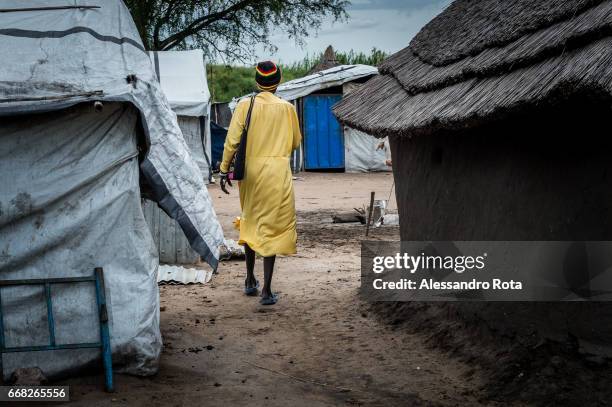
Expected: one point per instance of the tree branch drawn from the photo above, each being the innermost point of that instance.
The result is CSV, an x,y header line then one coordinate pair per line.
x,y
199,23
228,27
160,23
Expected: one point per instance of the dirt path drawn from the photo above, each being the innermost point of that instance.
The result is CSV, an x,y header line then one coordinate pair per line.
x,y
317,347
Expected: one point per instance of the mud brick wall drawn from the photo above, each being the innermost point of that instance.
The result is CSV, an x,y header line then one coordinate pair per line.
x,y
540,174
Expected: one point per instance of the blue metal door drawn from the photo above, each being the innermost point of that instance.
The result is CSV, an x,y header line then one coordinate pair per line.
x,y
323,138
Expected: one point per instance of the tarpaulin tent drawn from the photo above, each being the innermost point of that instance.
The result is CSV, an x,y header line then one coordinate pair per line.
x,y
326,144
84,129
182,75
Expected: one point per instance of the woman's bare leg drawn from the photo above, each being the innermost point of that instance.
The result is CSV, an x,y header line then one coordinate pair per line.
x,y
251,281
268,271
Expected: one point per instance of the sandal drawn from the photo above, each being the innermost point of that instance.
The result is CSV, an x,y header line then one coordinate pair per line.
x,y
251,291
271,300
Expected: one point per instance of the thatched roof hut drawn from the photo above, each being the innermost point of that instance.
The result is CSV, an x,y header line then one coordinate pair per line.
x,y
328,60
497,115
479,60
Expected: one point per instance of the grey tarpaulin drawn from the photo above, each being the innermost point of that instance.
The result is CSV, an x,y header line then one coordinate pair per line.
x,y
73,200
73,204
182,75
361,153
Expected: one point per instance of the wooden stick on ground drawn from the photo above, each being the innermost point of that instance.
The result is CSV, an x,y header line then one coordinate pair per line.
x,y
299,379
370,213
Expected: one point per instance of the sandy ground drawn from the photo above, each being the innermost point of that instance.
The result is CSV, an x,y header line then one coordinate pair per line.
x,y
319,346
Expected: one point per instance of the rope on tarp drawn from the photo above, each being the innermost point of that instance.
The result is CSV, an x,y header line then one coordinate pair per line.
x,y
14,10
51,98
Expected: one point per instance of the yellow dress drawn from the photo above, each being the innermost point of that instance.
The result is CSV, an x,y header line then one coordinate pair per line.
x,y
267,222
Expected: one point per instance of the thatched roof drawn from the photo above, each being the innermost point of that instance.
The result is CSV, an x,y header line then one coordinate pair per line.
x,y
328,60
480,59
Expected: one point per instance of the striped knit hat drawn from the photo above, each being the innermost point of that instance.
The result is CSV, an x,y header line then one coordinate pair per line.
x,y
267,75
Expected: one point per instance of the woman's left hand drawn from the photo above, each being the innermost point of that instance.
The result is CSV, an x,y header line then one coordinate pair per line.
x,y
224,179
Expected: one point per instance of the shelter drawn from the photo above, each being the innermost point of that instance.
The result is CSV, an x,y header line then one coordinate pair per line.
x,y
328,60
495,114
182,75
326,144
85,130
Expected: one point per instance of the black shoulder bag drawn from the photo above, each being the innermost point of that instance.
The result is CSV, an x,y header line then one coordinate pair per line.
x,y
240,156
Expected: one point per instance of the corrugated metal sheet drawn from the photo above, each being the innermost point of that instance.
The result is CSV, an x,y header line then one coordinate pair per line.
x,y
171,243
180,275
323,136
192,132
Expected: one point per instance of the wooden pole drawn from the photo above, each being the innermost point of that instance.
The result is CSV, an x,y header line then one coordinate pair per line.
x,y
370,213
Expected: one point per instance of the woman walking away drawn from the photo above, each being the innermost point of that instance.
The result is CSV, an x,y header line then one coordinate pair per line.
x,y
267,223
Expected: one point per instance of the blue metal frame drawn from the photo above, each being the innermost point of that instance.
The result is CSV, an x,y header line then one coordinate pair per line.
x,y
98,279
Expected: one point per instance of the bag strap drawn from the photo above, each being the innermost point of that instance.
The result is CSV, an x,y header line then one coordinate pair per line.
x,y
248,118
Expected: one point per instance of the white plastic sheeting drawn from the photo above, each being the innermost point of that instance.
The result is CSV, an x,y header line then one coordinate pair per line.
x,y
197,137
57,58
54,59
182,75
361,153
328,78
73,204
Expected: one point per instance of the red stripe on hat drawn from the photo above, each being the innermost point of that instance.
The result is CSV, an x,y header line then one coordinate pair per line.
x,y
267,73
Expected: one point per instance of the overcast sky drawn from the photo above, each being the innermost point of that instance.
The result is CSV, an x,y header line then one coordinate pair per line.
x,y
385,24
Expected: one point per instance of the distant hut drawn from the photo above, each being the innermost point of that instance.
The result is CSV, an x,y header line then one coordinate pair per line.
x,y
328,60
495,113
